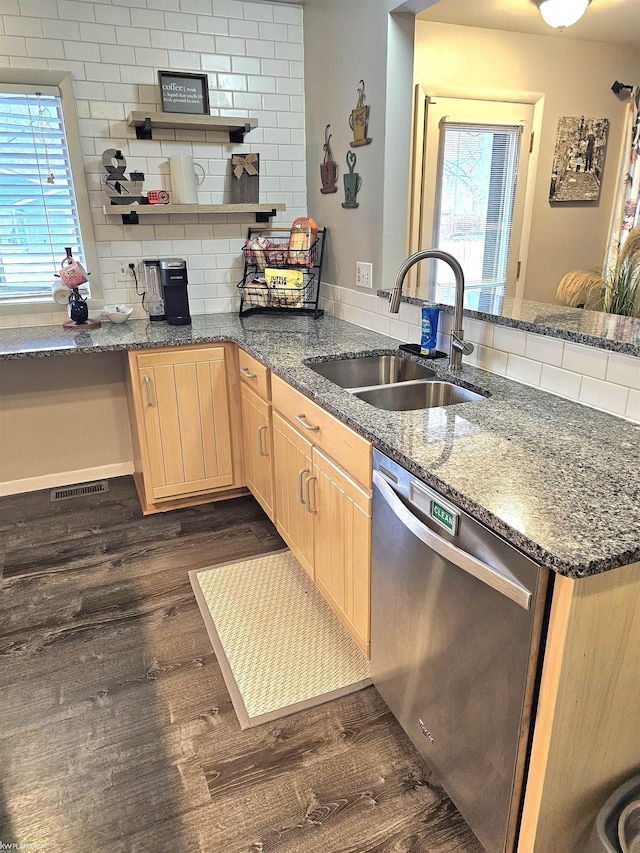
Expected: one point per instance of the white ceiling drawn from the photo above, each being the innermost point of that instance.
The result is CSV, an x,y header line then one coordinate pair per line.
x,y
611,21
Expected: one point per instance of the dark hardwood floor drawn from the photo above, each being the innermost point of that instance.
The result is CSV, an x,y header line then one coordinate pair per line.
x,y
116,729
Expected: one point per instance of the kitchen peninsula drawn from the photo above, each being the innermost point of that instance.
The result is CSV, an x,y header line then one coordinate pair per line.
x,y
557,479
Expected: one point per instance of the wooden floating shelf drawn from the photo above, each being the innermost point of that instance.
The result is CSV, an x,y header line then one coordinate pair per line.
x,y
145,122
130,213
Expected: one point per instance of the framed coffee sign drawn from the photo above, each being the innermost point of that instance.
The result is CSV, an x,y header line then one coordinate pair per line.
x,y
184,93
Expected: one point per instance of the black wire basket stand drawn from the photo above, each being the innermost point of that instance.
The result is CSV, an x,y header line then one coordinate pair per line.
x,y
257,297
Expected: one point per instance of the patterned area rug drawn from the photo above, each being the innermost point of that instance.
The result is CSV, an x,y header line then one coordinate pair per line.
x,y
280,646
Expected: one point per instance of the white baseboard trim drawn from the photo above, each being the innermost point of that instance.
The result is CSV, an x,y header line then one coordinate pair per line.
x,y
65,478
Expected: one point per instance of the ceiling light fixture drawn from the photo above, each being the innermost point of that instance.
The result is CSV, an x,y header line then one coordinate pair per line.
x,y
562,13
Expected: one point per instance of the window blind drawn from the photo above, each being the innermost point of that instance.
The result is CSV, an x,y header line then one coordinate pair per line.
x,y
38,210
478,172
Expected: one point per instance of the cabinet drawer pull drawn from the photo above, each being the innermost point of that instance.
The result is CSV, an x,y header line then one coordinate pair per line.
x,y
246,372
147,387
301,420
301,474
307,483
261,450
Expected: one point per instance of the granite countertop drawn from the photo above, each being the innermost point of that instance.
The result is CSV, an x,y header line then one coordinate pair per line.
x,y
559,480
592,328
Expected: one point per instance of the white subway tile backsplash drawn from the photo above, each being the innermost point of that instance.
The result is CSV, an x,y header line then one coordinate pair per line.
x,y
201,7
163,38
410,313
589,361
182,22
287,50
381,323
214,26
230,8
523,369
258,83
231,46
399,330
136,36
106,14
559,381
45,48
509,340
120,54
296,69
604,395
73,10
624,369
15,26
183,59
273,32
100,33
633,406
151,18
288,14
491,359
478,332
544,349
262,49
289,86
245,65
244,29
275,68
67,30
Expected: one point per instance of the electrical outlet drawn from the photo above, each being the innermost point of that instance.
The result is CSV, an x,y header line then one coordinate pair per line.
x,y
121,269
364,274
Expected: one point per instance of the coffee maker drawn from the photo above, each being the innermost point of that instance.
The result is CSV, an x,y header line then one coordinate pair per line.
x,y
173,277
152,300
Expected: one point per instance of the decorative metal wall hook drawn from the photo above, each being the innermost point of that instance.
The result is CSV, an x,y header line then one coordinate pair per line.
x,y
328,167
359,120
352,182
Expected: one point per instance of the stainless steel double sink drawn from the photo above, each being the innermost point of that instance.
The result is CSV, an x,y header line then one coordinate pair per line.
x,y
393,382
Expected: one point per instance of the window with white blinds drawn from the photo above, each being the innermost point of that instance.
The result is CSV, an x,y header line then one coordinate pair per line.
x,y
38,209
475,203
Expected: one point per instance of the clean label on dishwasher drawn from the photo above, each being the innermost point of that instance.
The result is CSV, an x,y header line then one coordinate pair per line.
x,y
444,517
441,513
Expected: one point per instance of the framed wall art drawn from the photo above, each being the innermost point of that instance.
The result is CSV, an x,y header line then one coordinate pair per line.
x,y
578,159
184,93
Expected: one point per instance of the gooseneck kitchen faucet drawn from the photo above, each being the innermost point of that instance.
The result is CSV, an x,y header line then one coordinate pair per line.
x,y
459,346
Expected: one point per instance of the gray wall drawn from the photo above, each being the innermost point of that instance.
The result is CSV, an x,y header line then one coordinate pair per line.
x,y
346,41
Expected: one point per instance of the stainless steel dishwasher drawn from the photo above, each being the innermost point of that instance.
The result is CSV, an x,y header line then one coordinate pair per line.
x,y
456,618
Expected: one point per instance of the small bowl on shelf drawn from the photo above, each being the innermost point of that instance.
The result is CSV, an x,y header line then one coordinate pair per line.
x,y
117,313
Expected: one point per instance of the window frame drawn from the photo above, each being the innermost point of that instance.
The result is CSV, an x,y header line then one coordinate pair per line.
x,y
426,94
63,82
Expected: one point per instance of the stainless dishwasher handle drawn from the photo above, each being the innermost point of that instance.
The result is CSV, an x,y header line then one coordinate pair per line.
x,y
505,584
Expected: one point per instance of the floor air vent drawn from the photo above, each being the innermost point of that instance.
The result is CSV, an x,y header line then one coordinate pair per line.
x,y
66,492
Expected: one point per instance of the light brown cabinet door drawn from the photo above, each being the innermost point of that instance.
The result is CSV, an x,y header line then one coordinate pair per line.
x,y
258,448
185,409
342,545
292,468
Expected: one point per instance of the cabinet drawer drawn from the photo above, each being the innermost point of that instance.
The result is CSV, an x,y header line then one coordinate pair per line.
x,y
254,374
342,444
